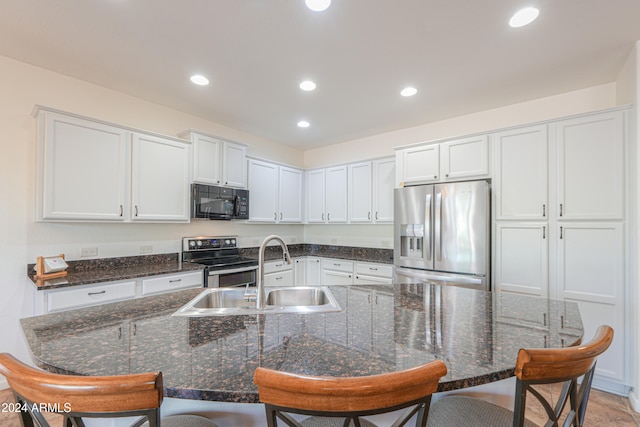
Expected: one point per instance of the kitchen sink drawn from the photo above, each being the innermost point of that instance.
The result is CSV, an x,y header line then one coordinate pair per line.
x,y
236,301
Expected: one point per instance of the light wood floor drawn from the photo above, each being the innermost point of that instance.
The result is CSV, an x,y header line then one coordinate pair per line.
x,y
604,409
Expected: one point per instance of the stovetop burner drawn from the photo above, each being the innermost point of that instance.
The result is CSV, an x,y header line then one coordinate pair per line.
x,y
215,252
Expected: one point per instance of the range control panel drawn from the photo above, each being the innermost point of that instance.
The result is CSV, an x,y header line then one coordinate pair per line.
x,y
208,243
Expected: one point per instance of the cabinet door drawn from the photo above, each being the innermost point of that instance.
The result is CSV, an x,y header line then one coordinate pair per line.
x,y
234,164
316,212
160,179
332,277
360,191
521,173
263,190
206,159
383,185
591,167
421,164
336,194
85,169
300,272
591,273
465,158
290,195
521,265
313,272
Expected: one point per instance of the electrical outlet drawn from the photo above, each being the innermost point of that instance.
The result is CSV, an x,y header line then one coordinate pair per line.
x,y
146,249
87,252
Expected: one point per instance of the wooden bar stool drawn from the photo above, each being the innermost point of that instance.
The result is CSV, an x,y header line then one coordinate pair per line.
x,y
76,397
341,401
533,366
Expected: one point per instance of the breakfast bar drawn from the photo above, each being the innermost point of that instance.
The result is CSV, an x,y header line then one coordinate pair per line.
x,y
379,329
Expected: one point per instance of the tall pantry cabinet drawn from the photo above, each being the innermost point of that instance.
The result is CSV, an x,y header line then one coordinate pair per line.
x,y
560,219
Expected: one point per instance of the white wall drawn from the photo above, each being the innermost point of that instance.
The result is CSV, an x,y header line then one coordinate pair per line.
x,y
628,92
581,101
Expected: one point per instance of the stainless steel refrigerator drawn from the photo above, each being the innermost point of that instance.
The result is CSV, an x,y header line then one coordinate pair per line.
x,y
442,234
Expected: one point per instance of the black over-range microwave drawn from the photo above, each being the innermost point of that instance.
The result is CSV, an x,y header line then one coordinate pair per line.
x,y
213,202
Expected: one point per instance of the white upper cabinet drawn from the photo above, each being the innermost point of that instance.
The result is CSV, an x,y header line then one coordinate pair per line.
x,y
290,194
453,160
521,180
216,161
383,186
360,192
336,194
263,191
464,158
590,182
419,164
89,170
327,195
160,179
83,169
275,192
315,195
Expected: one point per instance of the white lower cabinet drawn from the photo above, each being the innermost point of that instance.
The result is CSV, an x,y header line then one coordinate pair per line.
x,y
173,282
336,272
591,273
313,271
52,300
373,273
85,296
521,258
278,273
300,271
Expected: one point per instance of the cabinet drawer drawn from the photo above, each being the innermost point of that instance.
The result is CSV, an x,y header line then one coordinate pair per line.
x,y
273,266
371,269
279,278
337,265
172,283
91,295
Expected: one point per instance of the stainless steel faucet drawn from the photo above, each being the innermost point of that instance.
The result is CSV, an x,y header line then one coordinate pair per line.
x,y
261,294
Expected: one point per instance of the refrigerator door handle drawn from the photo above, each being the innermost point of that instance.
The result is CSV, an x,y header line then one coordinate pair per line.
x,y
438,227
429,226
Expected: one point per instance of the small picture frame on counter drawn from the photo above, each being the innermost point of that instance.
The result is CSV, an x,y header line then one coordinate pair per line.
x,y
51,267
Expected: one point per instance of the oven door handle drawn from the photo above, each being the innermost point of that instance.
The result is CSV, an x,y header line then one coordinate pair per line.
x,y
231,271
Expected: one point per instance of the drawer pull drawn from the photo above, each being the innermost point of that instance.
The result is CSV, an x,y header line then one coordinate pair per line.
x,y
373,269
97,293
175,280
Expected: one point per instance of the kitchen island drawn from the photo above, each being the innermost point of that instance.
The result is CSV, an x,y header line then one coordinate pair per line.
x,y
380,329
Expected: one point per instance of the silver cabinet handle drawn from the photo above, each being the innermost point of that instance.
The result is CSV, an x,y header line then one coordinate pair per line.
x,y
121,211
175,280
544,210
373,269
369,215
136,210
561,232
275,216
323,216
97,293
560,209
544,231
328,216
280,216
376,215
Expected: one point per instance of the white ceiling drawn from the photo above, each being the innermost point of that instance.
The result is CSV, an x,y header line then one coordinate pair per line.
x,y
460,54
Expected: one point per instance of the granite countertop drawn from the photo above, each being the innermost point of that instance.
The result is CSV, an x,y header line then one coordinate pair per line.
x,y
380,329
102,270
113,269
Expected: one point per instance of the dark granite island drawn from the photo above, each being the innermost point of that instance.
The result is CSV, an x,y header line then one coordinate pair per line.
x,y
380,329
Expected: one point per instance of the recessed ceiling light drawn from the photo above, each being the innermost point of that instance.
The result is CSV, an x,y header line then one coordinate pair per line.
x,y
304,124
409,91
318,5
307,85
524,17
199,80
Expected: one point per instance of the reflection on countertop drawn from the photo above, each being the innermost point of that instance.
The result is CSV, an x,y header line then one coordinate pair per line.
x,y
380,329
